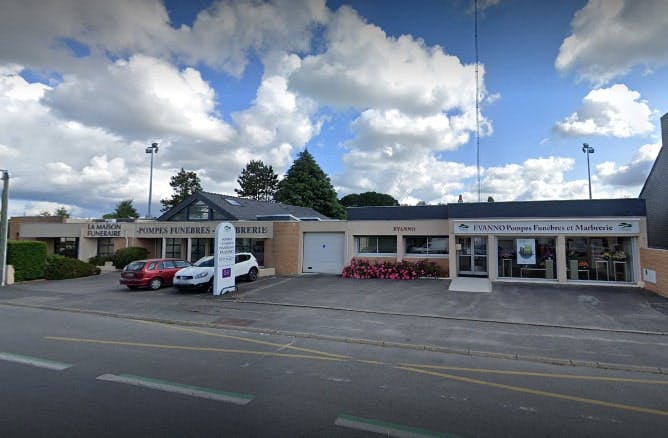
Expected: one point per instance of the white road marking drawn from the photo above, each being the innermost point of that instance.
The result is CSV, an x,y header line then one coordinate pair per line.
x,y
195,391
35,362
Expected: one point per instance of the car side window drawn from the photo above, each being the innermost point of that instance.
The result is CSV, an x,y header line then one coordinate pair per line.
x,y
152,266
244,257
168,264
182,264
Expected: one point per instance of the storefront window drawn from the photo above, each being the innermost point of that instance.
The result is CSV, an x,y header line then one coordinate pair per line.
x,y
200,248
527,257
376,244
68,247
173,248
424,245
105,247
599,258
254,246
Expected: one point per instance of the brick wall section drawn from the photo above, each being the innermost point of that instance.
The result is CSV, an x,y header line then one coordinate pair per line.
x,y
284,253
656,260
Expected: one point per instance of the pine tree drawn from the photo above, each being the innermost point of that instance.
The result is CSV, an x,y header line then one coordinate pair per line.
x,y
306,185
184,184
124,210
257,181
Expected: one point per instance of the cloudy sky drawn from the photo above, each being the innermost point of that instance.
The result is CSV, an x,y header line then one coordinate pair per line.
x,y
383,94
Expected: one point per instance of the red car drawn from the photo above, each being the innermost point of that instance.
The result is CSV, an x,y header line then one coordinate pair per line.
x,y
151,273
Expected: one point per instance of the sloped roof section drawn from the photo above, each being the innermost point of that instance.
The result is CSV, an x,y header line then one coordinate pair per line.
x,y
242,209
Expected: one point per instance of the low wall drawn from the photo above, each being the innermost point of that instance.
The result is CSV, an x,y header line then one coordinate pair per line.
x,y
655,260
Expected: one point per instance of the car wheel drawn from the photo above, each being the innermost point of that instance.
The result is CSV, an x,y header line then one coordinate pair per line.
x,y
209,286
155,284
252,274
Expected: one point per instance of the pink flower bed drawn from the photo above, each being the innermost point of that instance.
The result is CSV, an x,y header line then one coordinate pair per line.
x,y
363,269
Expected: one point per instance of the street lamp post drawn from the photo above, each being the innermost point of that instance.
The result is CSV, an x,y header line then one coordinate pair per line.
x,y
588,150
153,149
4,226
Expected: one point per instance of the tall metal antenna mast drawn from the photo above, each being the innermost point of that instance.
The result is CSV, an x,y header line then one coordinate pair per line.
x,y
477,102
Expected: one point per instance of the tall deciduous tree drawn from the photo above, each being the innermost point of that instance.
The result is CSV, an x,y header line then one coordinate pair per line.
x,y
368,199
124,210
257,181
306,185
184,184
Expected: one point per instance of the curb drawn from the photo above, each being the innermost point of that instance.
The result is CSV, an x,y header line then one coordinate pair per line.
x,y
453,318
362,341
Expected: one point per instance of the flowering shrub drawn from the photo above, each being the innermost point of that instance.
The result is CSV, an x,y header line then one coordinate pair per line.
x,y
363,269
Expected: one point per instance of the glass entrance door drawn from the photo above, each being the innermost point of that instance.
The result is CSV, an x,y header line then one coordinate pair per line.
x,y
472,256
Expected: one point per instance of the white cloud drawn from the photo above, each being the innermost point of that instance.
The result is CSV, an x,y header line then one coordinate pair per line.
x,y
142,96
615,111
632,174
610,37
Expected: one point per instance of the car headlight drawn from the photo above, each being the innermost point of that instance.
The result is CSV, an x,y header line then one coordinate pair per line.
x,y
201,275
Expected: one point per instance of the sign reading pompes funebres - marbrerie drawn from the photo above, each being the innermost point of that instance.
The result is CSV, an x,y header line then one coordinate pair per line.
x,y
550,227
223,280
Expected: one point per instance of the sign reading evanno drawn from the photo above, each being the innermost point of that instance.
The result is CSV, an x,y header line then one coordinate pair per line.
x,y
616,227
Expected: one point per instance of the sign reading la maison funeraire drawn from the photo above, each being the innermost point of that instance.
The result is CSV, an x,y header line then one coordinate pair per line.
x,y
257,230
550,227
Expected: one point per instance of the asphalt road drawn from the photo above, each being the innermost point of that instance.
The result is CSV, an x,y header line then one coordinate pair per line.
x,y
138,371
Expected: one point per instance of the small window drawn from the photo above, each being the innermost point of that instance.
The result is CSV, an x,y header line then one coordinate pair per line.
x,y
376,244
198,211
426,245
233,202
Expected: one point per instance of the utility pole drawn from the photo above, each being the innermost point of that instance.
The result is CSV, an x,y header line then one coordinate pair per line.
x,y
3,227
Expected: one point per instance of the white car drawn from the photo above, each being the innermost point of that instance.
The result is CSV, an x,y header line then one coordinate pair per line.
x,y
200,274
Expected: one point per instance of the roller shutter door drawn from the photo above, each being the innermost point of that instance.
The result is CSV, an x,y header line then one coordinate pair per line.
x,y
323,253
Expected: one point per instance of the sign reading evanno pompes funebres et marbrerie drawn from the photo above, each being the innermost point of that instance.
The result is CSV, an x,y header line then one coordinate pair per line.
x,y
550,227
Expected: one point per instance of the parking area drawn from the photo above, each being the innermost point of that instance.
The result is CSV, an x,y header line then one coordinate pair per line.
x,y
584,306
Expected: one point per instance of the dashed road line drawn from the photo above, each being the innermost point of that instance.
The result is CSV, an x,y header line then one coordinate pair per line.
x,y
34,361
387,429
178,388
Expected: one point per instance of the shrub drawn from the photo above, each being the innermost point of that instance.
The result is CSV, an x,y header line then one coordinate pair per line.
x,y
59,267
403,270
28,258
124,256
100,260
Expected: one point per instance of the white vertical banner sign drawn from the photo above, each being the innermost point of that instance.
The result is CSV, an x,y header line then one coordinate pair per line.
x,y
223,280
526,251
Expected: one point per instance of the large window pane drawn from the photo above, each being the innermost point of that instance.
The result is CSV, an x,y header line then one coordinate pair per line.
x,y
376,244
425,245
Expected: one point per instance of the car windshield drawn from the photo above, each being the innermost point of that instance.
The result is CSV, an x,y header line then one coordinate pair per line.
x,y
134,266
204,262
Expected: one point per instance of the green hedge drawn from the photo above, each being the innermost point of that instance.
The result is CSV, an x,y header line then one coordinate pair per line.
x,y
124,256
59,267
28,258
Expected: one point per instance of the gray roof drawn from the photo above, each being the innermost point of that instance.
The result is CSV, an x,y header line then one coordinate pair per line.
x,y
242,209
515,209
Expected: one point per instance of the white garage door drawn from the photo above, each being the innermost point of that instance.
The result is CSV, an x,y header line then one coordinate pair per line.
x,y
323,252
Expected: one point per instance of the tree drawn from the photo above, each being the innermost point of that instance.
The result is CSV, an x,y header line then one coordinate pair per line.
x,y
124,210
306,185
257,181
368,199
490,199
60,211
184,184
